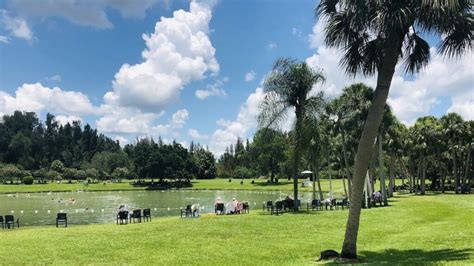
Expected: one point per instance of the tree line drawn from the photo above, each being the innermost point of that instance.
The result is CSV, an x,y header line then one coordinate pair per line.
x,y
31,149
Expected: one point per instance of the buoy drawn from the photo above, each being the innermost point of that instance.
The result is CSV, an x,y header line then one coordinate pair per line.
x,y
155,209
61,210
49,211
36,211
169,208
102,210
12,211
21,211
92,210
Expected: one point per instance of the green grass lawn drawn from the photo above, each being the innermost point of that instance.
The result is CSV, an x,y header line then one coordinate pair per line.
x,y
259,184
413,230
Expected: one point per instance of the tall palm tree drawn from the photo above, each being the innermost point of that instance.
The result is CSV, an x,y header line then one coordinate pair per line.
x,y
288,87
374,36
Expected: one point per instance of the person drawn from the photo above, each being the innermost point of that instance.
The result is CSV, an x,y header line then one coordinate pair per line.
x,y
218,201
122,208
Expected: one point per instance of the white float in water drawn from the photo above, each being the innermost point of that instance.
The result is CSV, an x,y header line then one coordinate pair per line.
x,y
102,210
21,211
49,211
36,211
155,209
12,211
169,208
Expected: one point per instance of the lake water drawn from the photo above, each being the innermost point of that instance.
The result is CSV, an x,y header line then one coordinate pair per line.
x,y
101,207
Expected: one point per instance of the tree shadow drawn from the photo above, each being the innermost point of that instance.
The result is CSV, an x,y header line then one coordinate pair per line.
x,y
416,256
265,184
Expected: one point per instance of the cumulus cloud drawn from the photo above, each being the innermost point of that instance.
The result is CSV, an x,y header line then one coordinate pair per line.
x,y
214,89
119,120
15,26
296,32
271,45
178,52
4,39
122,141
37,98
64,119
82,12
249,76
245,121
193,133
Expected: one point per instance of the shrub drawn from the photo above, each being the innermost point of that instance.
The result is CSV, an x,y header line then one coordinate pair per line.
x,y
28,180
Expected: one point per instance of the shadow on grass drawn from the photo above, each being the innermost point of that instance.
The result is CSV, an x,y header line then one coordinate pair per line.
x,y
415,256
265,184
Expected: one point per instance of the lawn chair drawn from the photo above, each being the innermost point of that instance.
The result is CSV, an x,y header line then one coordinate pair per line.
x,y
219,208
245,207
2,222
61,218
10,221
278,208
187,212
146,215
268,206
122,216
343,203
315,205
136,216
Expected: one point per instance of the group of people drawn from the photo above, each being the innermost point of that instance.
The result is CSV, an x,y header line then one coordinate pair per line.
x,y
232,207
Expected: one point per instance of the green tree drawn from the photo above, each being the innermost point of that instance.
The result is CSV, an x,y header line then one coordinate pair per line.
x,y
374,36
269,146
57,166
288,86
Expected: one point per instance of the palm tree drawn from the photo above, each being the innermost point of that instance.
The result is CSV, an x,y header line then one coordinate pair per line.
x,y
288,87
374,36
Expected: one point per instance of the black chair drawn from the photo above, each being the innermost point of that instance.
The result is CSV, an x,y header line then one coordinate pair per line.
x,y
315,205
219,208
122,216
136,216
343,203
146,214
2,222
268,206
245,207
187,212
10,221
278,208
61,218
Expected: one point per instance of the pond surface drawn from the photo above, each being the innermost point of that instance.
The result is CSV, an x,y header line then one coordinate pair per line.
x,y
101,207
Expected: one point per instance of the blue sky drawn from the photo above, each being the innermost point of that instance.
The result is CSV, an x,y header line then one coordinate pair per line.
x,y
67,57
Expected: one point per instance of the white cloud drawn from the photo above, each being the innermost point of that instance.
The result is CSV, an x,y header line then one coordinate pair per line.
x,y
463,104
179,119
271,45
4,39
82,12
122,141
16,26
178,52
121,120
411,98
245,121
55,78
193,133
296,32
249,76
214,89
37,98
64,119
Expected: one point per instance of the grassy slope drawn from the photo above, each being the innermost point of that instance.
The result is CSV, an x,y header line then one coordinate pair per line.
x,y
415,229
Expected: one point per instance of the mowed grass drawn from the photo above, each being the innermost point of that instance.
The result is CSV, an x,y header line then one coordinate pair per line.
x,y
413,230
221,184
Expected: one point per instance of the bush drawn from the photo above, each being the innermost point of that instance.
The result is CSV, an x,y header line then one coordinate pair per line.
x,y
28,180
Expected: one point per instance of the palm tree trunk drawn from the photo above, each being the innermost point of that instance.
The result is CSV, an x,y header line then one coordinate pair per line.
x,y
455,174
344,183
391,181
346,163
423,175
330,175
381,171
468,165
364,150
296,162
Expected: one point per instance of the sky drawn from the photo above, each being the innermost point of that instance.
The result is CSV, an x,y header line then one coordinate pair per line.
x,y
185,70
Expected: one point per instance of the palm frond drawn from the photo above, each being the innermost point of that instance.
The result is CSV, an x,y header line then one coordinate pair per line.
x,y
459,39
417,54
272,111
